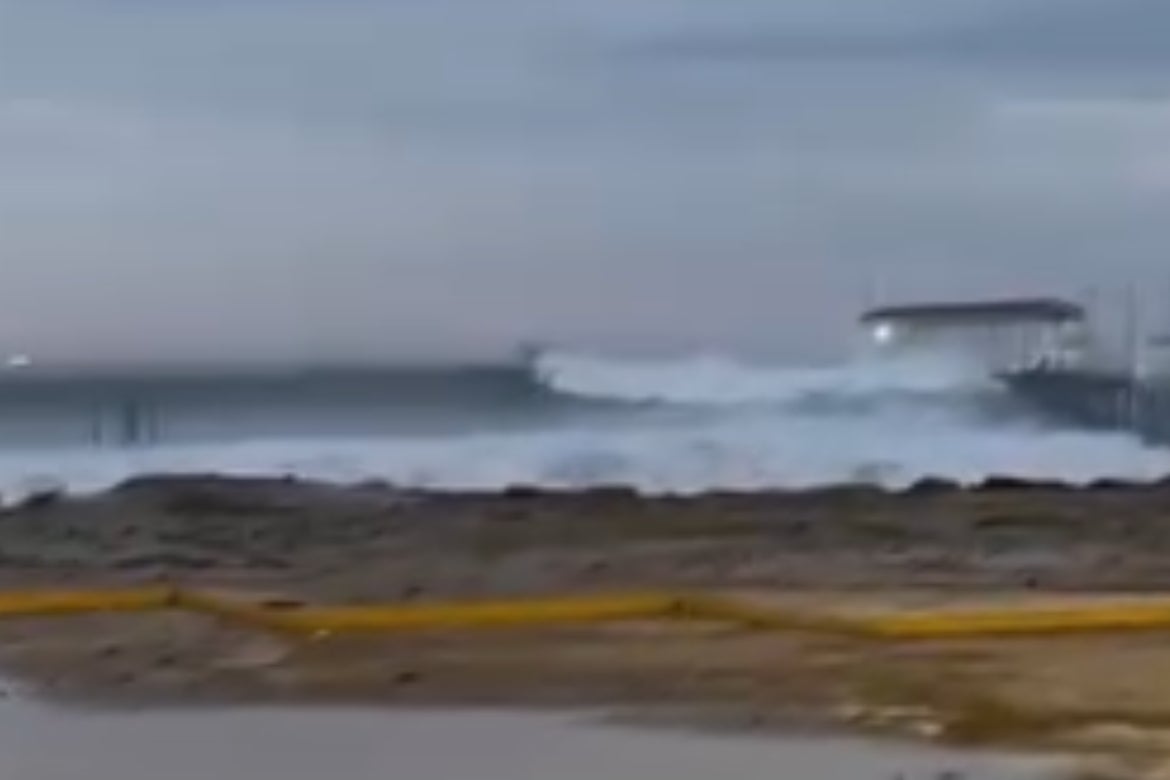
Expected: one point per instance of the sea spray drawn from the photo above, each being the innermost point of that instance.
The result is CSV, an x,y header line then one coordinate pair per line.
x,y
682,426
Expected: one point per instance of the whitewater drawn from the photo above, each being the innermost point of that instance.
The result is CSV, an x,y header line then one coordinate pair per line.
x,y
681,425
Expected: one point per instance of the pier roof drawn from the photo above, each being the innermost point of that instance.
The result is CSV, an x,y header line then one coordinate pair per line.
x,y
1054,310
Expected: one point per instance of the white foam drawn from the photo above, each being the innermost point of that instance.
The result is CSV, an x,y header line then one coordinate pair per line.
x,y
752,451
720,380
746,432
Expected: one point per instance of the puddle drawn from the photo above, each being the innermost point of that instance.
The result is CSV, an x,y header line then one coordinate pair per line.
x,y
45,743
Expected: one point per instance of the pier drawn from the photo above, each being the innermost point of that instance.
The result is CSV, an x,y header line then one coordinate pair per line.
x,y
1049,356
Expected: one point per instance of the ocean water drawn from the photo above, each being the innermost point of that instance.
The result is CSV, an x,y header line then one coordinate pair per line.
x,y
679,425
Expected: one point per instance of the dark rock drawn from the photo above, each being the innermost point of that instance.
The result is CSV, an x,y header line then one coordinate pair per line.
x,y
611,493
42,499
109,651
522,492
407,677
153,484
997,483
1114,485
209,494
845,493
375,486
932,486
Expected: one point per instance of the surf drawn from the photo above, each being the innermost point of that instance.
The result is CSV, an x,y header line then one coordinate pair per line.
x,y
679,425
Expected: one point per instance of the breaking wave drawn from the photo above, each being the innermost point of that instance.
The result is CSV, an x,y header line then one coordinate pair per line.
x,y
668,426
715,380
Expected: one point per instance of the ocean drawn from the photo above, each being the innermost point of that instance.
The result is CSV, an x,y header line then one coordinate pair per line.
x,y
681,425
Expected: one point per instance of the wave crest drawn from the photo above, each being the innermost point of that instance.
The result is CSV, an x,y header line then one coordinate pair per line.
x,y
678,426
713,380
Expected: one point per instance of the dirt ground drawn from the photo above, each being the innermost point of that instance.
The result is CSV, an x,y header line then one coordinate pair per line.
x,y
372,542
938,544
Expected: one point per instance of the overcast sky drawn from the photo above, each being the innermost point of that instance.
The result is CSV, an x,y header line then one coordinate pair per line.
x,y
361,179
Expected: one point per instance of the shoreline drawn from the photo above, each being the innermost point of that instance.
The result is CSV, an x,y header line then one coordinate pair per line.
x,y
1003,534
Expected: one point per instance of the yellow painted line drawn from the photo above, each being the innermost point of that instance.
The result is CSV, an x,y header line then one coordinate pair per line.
x,y
33,603
931,624
923,624
940,623
469,615
1040,620
768,618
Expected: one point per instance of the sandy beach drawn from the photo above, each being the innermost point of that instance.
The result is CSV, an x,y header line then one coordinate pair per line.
x,y
1005,541
374,542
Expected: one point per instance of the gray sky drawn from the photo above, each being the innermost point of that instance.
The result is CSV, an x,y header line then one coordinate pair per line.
x,y
301,179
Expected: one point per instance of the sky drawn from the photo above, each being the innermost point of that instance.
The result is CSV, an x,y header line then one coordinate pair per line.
x,y
315,180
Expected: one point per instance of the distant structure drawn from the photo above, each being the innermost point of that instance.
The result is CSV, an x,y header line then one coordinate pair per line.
x,y
1004,335
137,424
1046,353
126,422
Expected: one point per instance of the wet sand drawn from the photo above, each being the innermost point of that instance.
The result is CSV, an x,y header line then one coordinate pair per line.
x,y
367,542
312,542
38,743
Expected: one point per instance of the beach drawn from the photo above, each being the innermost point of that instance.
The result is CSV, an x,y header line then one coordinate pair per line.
x,y
293,543
556,390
